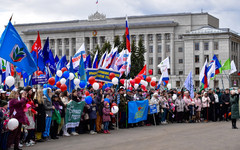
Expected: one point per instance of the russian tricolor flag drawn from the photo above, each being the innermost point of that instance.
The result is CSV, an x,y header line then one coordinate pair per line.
x,y
217,65
127,36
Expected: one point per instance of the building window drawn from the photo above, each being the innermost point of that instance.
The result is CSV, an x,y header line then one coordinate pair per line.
x,y
102,39
150,37
95,40
196,46
180,72
206,57
167,48
180,49
180,36
167,36
180,61
150,49
196,58
159,48
87,40
177,83
150,60
206,46
215,45
197,83
197,71
159,60
133,37
159,37
67,52
216,83
67,42
141,37
60,52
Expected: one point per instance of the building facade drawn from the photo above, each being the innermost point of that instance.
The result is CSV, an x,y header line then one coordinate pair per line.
x,y
188,39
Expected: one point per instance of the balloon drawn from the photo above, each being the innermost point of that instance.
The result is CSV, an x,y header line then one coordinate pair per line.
x,y
45,85
106,100
145,83
148,79
82,84
122,81
64,69
111,75
137,80
169,86
51,81
66,74
100,85
132,82
71,76
136,86
130,88
114,104
76,81
86,93
143,87
88,100
18,70
12,124
95,86
141,77
153,83
10,81
63,81
174,97
115,81
114,109
63,87
91,80
58,84
154,79
150,71
40,72
142,81
59,73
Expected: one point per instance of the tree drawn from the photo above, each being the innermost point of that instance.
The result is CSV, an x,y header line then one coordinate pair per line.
x,y
134,61
140,55
117,41
106,47
122,46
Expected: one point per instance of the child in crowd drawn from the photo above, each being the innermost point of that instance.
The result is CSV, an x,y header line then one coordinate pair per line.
x,y
106,117
31,126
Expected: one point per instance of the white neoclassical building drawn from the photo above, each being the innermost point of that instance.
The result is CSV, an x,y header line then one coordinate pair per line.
x,y
188,39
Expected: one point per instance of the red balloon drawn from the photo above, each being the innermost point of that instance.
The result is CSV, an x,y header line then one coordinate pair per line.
x,y
91,80
64,69
100,85
58,84
148,79
111,75
39,73
132,82
86,93
150,71
63,87
114,104
137,80
130,88
143,87
51,81
122,81
153,83
141,77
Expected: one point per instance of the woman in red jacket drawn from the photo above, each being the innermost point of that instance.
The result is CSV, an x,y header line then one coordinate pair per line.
x,y
17,111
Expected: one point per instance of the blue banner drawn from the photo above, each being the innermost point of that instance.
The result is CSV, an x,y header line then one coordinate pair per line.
x,y
153,109
102,74
137,111
39,80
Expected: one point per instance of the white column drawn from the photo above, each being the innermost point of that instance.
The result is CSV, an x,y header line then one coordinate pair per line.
x,y
91,44
172,54
63,47
211,50
137,39
202,60
146,55
56,47
163,47
70,48
155,55
99,41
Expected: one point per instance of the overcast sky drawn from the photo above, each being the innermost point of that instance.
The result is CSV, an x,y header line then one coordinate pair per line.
x,y
30,11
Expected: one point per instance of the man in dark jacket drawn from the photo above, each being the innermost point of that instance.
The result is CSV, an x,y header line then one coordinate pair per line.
x,y
122,109
219,105
212,105
226,103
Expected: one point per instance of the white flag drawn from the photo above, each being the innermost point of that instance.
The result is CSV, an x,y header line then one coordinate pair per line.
x,y
233,68
164,63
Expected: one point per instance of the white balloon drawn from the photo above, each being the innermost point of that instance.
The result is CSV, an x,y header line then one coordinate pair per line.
x,y
145,83
136,86
142,81
76,81
63,81
10,81
154,79
95,86
114,109
169,86
115,81
59,73
12,124
174,97
71,76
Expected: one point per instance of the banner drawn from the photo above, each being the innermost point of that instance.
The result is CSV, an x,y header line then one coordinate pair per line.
x,y
102,74
153,109
39,80
137,111
73,114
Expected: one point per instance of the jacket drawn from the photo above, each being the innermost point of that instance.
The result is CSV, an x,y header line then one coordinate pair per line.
x,y
198,104
40,117
122,104
17,110
153,101
180,104
47,103
92,110
226,98
106,113
234,106
205,102
31,122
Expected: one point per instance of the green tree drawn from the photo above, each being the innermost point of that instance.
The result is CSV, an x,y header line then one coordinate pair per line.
x,y
140,55
122,46
134,61
117,41
106,47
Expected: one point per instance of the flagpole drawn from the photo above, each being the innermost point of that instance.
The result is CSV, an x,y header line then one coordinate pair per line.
x,y
222,82
227,78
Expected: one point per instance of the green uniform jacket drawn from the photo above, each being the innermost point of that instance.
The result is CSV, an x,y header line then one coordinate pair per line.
x,y
234,106
122,104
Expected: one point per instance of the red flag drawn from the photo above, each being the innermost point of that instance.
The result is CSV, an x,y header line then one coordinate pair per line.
x,y
143,71
127,36
12,70
37,45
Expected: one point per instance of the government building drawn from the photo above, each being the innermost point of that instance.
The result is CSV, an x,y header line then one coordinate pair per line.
x,y
188,39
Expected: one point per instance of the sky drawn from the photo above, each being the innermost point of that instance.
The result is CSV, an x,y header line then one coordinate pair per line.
x,y
32,11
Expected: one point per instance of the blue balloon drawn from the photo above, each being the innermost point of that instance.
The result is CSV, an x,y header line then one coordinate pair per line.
x,y
82,84
88,100
45,86
66,74
107,100
18,70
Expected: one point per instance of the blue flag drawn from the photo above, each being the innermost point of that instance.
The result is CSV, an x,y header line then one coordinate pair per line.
x,y
189,84
70,84
62,63
81,71
137,111
88,63
40,62
51,64
15,51
56,59
46,52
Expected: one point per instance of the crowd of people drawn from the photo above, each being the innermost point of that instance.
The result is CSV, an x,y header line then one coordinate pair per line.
x,y
33,108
